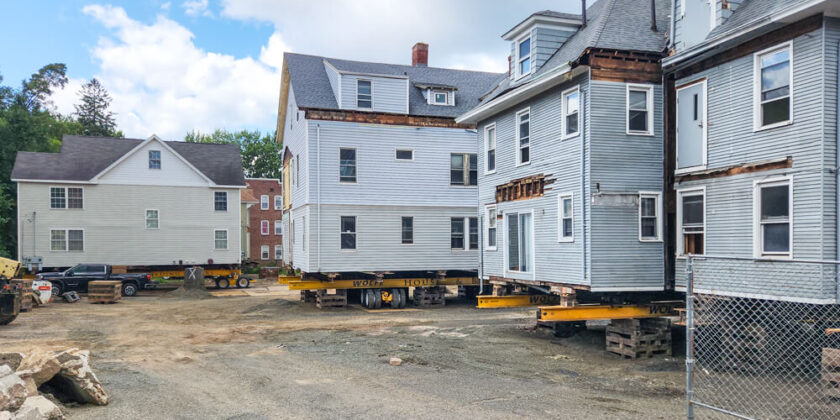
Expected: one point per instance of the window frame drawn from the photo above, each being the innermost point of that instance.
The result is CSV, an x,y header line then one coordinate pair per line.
x,y
371,94
649,91
159,159
276,256
355,234
464,228
487,129
278,223
215,239
215,201
267,255
66,190
757,110
487,227
355,165
433,97
465,179
564,105
520,58
468,225
264,227
146,219
758,243
506,244
66,232
280,198
264,202
681,194
657,196
403,149
561,216
519,147
402,231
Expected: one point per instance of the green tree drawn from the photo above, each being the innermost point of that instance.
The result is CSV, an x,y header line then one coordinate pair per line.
x,y
93,114
261,156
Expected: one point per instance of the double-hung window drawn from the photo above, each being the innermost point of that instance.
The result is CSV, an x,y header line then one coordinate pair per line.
x,y
152,219
523,136
407,224
264,227
650,217
490,222
571,112
565,218
220,200
364,94
264,250
490,147
519,246
523,57
348,232
774,236
278,227
691,208
773,79
278,202
154,159
278,252
264,202
347,165
640,109
473,225
66,198
67,240
456,233
463,169
220,237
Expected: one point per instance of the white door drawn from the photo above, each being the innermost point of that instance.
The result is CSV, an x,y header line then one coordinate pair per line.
x,y
691,126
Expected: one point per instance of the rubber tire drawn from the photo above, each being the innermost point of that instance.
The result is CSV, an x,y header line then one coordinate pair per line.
x,y
129,289
370,299
242,282
363,298
217,283
223,283
403,298
57,290
6,319
396,298
378,296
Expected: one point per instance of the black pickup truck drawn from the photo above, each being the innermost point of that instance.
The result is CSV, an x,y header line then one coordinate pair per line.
x,y
77,278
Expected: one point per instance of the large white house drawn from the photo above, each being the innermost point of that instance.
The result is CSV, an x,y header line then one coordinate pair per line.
x,y
129,202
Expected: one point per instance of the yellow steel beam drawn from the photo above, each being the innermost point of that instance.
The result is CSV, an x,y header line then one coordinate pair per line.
x,y
597,312
286,279
513,301
211,272
385,283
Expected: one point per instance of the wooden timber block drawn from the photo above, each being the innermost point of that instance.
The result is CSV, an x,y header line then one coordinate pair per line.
x,y
831,372
104,291
119,269
430,296
325,300
307,296
633,338
26,293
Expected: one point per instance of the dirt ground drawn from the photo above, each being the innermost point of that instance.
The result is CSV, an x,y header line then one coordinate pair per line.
x,y
264,355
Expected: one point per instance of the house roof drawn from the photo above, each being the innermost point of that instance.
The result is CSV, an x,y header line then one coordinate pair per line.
x,y
749,11
246,195
312,89
82,158
610,24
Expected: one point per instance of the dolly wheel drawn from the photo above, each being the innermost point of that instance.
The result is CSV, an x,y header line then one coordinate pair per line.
x,y
377,294
370,299
396,298
242,282
403,298
223,283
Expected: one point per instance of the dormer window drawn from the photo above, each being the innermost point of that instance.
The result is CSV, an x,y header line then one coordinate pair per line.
x,y
524,57
440,97
154,159
364,94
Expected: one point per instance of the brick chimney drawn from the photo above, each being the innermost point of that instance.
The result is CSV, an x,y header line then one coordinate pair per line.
x,y
420,55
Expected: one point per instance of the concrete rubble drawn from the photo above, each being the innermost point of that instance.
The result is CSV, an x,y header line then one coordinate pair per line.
x,y
31,384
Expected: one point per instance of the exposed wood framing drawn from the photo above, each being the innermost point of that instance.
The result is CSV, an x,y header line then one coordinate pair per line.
x,y
623,66
553,286
757,44
737,170
523,188
383,118
282,104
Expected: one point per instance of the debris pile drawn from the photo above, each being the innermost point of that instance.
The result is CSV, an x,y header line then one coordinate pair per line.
x,y
34,385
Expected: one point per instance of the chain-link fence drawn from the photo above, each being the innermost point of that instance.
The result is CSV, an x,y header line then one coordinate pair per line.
x,y
761,340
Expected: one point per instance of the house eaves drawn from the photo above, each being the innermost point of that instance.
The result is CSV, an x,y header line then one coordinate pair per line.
x,y
536,18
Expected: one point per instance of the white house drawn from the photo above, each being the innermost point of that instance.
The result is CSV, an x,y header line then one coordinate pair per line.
x,y
129,202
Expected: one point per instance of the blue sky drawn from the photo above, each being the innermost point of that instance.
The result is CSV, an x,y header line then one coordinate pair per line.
x,y
175,66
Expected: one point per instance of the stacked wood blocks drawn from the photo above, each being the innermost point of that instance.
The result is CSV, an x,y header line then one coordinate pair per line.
x,y
634,338
430,296
104,291
337,300
831,372
26,293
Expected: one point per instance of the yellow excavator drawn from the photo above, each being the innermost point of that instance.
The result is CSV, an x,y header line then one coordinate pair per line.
x,y
11,295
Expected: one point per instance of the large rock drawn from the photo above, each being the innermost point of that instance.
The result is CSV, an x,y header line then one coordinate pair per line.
x,y
40,366
12,389
6,415
11,359
39,408
76,380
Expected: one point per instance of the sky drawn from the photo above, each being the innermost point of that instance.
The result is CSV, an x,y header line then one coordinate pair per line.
x,y
172,67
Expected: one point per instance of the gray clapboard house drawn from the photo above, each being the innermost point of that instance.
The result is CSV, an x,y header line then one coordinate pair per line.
x,y
755,141
571,152
378,177
129,202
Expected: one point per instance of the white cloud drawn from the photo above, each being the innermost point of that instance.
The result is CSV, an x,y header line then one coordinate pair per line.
x,y
166,6
196,7
162,83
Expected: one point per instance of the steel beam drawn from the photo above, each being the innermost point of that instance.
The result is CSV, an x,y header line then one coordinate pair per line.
x,y
599,312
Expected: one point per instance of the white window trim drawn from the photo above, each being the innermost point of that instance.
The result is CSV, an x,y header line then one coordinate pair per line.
x,y
357,95
433,98
280,207
265,202
267,230
412,231
757,243
487,246
227,240
66,198
146,219
506,238
396,149
356,150
227,202
278,223
355,232
487,128
160,159
67,240
519,59
560,198
466,172
267,255
658,197
278,248
705,117
650,117
466,234
565,94
681,193
757,87
518,145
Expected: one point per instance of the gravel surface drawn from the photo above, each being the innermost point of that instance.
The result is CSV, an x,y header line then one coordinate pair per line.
x,y
265,356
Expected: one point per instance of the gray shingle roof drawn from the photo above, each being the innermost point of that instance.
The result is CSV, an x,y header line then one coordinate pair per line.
x,y
81,158
611,24
312,87
749,11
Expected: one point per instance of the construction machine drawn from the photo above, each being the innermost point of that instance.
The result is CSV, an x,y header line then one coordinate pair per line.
x,y
11,296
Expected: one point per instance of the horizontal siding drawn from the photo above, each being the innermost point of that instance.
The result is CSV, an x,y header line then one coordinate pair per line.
x,y
545,42
299,234
389,94
296,141
335,80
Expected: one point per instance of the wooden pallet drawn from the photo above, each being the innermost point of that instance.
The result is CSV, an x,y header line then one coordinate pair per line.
x,y
746,348
633,338
104,291
430,296
307,296
831,372
26,292
337,300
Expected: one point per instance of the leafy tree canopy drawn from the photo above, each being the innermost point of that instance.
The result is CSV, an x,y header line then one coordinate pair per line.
x,y
261,154
92,112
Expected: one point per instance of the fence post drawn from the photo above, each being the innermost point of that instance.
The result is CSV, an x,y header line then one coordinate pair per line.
x,y
689,336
